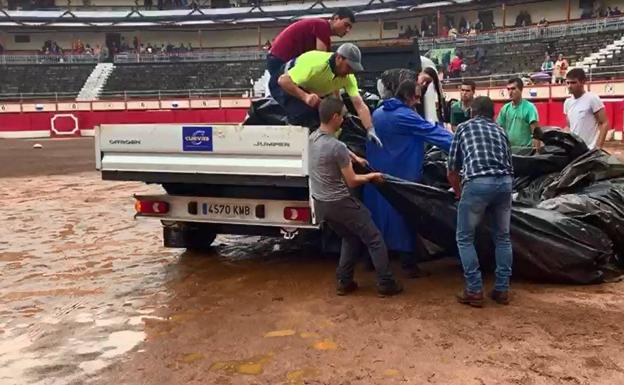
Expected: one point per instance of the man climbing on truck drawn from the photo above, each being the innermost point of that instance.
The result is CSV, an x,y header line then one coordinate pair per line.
x,y
317,74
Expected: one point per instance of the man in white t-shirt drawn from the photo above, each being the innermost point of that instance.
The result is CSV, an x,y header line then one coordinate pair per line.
x,y
585,112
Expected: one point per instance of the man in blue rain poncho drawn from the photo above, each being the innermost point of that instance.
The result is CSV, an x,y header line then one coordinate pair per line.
x,y
404,134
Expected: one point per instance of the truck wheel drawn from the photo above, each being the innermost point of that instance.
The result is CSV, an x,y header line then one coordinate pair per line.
x,y
188,235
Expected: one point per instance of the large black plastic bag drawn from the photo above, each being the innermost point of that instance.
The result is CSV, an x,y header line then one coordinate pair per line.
x,y
266,111
559,149
599,205
548,246
593,166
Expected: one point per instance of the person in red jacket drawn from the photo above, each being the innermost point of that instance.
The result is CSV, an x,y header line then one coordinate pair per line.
x,y
306,35
455,66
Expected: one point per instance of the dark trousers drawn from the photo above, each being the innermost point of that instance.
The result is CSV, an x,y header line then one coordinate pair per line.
x,y
352,221
299,113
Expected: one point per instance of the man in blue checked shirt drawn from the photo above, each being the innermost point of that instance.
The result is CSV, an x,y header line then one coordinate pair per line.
x,y
481,154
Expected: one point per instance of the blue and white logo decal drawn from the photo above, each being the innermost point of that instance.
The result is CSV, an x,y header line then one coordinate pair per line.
x,y
197,138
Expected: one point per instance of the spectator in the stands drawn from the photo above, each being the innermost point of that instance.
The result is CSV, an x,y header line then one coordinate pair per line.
x,y
616,12
105,53
303,36
547,65
584,111
518,117
1,48
479,25
561,69
97,51
463,25
480,57
452,32
161,4
135,43
455,66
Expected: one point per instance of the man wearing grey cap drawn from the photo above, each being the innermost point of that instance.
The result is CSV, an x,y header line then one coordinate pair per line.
x,y
317,74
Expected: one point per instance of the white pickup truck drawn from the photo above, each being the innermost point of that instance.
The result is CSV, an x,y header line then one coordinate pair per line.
x,y
219,179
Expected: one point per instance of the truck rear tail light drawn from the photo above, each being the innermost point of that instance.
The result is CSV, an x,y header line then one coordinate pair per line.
x,y
299,214
151,207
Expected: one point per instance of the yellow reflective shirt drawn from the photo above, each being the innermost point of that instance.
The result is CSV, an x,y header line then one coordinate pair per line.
x,y
313,73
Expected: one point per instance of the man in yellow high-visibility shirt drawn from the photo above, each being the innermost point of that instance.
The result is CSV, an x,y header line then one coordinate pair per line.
x,y
317,74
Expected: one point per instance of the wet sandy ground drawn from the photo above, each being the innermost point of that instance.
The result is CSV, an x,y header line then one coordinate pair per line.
x,y
88,296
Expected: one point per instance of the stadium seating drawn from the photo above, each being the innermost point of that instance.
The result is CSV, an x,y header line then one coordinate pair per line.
x,y
183,76
527,56
43,78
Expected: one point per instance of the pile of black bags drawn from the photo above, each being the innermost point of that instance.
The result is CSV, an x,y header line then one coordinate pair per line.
x,y
567,222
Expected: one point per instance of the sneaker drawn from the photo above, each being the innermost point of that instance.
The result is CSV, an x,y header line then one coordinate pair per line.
x,y
346,289
389,289
472,299
500,297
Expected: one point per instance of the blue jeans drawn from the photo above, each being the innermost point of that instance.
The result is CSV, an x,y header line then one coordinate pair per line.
x,y
299,113
479,194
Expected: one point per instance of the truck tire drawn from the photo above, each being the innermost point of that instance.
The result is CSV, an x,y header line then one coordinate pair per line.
x,y
188,235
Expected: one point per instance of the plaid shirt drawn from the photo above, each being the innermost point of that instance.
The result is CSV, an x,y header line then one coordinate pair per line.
x,y
480,148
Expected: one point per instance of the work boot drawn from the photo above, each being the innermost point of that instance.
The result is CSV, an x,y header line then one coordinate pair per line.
x,y
500,297
389,288
344,289
472,299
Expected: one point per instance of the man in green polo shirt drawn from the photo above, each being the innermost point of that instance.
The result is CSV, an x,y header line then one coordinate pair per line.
x,y
460,110
318,74
519,117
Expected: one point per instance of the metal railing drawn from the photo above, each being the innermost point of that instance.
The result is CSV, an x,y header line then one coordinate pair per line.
x,y
47,59
131,95
527,33
204,56
597,73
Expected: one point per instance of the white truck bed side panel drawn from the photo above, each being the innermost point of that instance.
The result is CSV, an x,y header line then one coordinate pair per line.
x,y
196,148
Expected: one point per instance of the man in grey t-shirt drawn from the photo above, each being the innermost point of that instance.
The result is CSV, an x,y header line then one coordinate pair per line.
x,y
331,176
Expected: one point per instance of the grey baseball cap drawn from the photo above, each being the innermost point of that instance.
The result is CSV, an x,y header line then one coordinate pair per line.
x,y
352,54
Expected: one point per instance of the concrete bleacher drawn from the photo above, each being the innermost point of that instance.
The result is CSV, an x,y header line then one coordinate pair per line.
x,y
527,56
184,76
65,79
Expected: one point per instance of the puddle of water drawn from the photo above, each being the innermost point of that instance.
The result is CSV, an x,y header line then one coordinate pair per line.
x,y
325,345
192,357
391,373
251,366
122,342
280,333
298,377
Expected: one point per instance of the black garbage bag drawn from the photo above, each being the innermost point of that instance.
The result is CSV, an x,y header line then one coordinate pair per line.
x,y
561,142
353,134
592,167
598,205
266,111
529,190
560,148
434,168
548,246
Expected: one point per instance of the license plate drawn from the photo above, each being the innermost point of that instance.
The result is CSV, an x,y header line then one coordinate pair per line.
x,y
227,210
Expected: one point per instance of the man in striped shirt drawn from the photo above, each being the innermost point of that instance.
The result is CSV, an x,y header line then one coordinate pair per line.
x,y
481,154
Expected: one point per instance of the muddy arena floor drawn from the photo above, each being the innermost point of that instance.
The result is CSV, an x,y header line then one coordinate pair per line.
x,y
89,296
